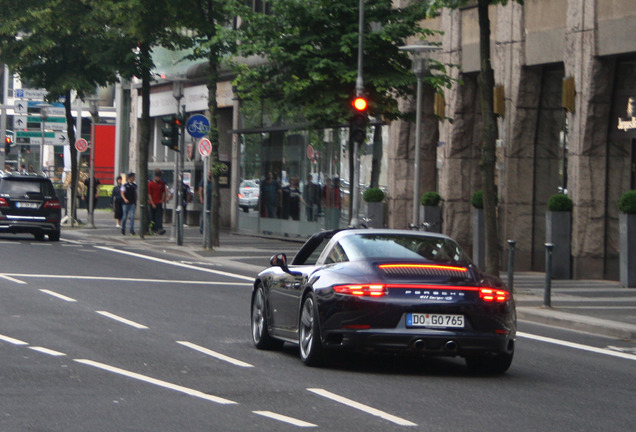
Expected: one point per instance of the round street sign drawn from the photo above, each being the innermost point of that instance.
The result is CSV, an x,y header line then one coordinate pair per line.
x,y
205,147
81,145
310,151
198,126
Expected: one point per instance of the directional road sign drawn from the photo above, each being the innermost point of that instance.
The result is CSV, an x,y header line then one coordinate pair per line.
x,y
51,123
31,93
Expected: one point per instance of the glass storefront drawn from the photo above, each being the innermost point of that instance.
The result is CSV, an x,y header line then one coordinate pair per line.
x,y
297,175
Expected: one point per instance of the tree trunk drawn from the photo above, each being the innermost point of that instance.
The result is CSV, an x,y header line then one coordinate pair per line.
x,y
215,209
70,127
488,141
144,139
376,164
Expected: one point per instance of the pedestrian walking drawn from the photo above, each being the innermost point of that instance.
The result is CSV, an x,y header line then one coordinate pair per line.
x,y
117,201
129,195
156,199
313,196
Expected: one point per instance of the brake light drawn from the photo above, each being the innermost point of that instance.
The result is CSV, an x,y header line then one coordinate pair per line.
x,y
52,204
4,203
240,195
423,266
491,295
375,290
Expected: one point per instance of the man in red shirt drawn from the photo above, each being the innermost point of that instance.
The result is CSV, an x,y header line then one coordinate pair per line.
x,y
156,198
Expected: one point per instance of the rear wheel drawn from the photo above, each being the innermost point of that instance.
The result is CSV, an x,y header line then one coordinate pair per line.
x,y
311,350
54,236
260,334
39,236
489,365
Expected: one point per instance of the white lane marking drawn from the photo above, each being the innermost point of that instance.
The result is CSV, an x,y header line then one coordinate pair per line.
x,y
577,346
215,354
12,341
177,264
58,295
121,320
9,278
47,351
364,408
119,279
157,382
284,418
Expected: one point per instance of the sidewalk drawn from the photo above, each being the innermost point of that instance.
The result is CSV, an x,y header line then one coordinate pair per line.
x,y
595,306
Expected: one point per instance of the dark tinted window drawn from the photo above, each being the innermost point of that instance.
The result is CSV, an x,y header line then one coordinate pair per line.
x,y
16,186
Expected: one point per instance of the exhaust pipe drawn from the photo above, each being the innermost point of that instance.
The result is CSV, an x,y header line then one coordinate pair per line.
x,y
419,345
451,346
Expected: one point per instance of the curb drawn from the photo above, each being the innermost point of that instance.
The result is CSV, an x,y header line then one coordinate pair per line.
x,y
571,321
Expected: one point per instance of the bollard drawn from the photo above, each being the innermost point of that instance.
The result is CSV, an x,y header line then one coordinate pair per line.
x,y
548,275
179,226
511,264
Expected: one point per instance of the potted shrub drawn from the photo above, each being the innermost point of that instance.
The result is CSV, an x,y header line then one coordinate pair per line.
x,y
431,211
559,233
479,232
374,198
627,238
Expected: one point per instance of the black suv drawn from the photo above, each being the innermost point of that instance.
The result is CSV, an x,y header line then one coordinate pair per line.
x,y
29,204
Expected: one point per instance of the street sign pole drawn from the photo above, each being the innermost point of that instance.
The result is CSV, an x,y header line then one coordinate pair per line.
x,y
205,213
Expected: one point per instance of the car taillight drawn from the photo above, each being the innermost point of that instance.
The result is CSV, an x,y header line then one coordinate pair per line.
x,y
4,203
240,195
368,290
52,204
492,295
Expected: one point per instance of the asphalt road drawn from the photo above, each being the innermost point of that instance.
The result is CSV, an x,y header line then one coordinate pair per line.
x,y
102,337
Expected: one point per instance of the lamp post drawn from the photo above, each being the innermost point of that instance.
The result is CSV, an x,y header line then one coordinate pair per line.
x,y
44,107
94,110
421,54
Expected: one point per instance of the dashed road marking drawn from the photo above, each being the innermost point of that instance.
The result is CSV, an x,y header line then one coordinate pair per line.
x,y
47,351
362,407
284,419
577,346
122,320
58,295
215,354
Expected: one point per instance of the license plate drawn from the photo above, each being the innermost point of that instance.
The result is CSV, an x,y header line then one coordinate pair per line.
x,y
434,320
30,205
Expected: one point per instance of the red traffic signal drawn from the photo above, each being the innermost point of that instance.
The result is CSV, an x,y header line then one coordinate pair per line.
x,y
360,104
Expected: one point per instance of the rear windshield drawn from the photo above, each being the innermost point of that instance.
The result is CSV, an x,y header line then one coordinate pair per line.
x,y
403,247
14,186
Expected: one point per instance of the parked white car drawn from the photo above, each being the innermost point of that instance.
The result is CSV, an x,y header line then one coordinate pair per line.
x,y
248,195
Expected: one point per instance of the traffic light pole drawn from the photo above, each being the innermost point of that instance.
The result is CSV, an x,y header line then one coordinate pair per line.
x,y
180,159
355,187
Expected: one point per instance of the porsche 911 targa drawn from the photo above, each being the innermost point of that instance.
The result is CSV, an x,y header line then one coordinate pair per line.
x,y
406,292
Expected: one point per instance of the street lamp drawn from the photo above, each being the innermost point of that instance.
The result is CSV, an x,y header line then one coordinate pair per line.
x,y
94,110
421,54
44,115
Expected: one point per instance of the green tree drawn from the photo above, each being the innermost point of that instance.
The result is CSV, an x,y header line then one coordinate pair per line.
x,y
489,124
214,39
311,51
62,46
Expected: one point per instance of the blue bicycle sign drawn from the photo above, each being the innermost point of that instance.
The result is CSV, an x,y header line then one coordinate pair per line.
x,y
198,126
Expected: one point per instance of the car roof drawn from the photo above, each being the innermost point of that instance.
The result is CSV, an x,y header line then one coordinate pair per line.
x,y
16,174
387,231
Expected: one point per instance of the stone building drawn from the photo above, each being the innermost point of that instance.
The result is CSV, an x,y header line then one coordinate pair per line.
x,y
542,147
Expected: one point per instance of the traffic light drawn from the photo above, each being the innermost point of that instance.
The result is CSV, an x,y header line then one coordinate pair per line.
x,y
170,131
8,142
359,120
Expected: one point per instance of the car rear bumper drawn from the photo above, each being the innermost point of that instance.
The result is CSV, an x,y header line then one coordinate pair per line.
x,y
15,224
432,342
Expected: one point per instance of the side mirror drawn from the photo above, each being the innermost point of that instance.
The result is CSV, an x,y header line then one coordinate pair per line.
x,y
279,260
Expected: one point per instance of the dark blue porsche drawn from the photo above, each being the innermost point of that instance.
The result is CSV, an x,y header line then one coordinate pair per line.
x,y
385,290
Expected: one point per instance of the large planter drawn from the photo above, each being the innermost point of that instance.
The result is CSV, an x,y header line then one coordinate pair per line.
x,y
432,215
479,238
375,213
559,232
627,248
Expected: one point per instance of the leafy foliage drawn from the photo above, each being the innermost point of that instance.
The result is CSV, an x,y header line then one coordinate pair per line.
x,y
627,202
560,202
308,56
373,195
431,198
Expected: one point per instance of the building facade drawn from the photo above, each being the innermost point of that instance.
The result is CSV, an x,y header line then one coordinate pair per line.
x,y
543,148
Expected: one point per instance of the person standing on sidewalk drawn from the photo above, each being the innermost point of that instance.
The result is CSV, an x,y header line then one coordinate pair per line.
x,y
156,198
117,201
129,194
